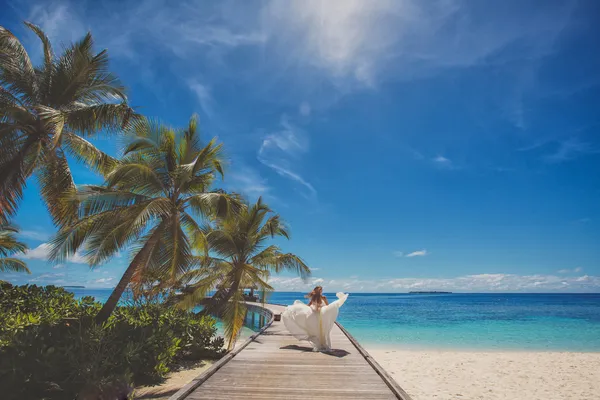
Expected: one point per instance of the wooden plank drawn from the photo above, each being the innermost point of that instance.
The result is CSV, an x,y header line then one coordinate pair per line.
x,y
274,365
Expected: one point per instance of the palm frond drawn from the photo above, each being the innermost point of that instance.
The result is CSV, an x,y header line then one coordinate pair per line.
x,y
9,245
13,265
56,184
141,178
213,204
89,154
91,119
17,74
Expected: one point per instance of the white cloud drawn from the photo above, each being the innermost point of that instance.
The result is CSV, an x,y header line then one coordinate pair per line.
x,y
313,51
247,180
290,140
468,283
418,253
35,235
292,175
43,251
48,279
204,97
443,162
359,40
398,253
279,148
570,271
103,280
58,21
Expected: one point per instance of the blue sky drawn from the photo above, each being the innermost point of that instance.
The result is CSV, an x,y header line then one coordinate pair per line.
x,y
409,144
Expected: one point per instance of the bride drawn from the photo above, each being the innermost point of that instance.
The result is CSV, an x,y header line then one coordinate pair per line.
x,y
314,321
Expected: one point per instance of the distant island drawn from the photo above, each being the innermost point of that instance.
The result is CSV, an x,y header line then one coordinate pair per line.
x,y
75,287
429,292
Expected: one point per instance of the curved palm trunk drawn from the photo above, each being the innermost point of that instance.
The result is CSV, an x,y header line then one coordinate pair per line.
x,y
140,259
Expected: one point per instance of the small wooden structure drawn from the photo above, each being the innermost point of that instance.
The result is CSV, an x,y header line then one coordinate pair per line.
x,y
251,296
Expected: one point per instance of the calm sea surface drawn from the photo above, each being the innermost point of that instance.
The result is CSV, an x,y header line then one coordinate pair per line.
x,y
567,322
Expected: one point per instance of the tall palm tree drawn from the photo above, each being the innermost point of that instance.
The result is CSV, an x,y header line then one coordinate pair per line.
x,y
241,259
47,112
148,204
9,246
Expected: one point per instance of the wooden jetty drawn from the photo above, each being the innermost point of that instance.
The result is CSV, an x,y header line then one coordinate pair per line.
x,y
272,364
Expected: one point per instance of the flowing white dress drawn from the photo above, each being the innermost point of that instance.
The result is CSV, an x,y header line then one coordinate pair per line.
x,y
313,324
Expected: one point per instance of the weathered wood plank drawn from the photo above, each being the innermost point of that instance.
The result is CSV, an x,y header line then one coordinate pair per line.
x,y
276,366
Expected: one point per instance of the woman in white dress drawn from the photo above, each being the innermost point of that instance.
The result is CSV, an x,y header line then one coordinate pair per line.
x,y
313,322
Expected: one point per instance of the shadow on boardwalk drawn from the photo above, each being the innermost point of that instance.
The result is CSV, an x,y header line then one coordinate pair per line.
x,y
333,352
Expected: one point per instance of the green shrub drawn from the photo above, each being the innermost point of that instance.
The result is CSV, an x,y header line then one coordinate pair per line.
x,y
50,347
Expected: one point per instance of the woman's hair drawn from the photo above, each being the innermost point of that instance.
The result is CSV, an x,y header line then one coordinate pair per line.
x,y
316,295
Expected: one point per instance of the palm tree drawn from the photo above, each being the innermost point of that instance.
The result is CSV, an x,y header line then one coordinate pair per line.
x,y
47,112
241,260
147,204
10,246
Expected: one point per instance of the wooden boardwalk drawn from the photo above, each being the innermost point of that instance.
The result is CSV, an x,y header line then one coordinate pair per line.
x,y
277,366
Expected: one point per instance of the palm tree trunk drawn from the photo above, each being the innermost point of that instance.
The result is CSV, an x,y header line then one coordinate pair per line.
x,y
140,259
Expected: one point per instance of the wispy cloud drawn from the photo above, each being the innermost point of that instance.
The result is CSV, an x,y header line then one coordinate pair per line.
x,y
468,283
569,149
43,251
352,43
418,253
398,253
204,97
49,279
570,271
103,281
247,180
280,148
443,162
365,41
35,235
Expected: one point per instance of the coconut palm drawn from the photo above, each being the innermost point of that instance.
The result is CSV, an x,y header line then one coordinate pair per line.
x,y
9,246
148,204
47,112
241,259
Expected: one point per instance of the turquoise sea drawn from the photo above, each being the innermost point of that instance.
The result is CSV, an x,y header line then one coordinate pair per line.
x,y
559,322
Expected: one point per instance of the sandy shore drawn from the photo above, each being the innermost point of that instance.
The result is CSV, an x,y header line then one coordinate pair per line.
x,y
451,375
174,382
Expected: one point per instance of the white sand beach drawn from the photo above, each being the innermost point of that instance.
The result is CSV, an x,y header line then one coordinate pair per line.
x,y
493,375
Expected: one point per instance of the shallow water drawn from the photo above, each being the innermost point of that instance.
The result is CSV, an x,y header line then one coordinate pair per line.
x,y
563,322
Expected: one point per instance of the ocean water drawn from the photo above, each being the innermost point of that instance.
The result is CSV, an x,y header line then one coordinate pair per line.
x,y
547,322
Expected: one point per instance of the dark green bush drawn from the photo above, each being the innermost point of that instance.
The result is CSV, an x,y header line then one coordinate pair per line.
x,y
50,347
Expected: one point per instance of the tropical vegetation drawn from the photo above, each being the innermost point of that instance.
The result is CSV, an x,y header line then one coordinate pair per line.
x,y
47,112
236,257
51,347
10,247
148,202
189,243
